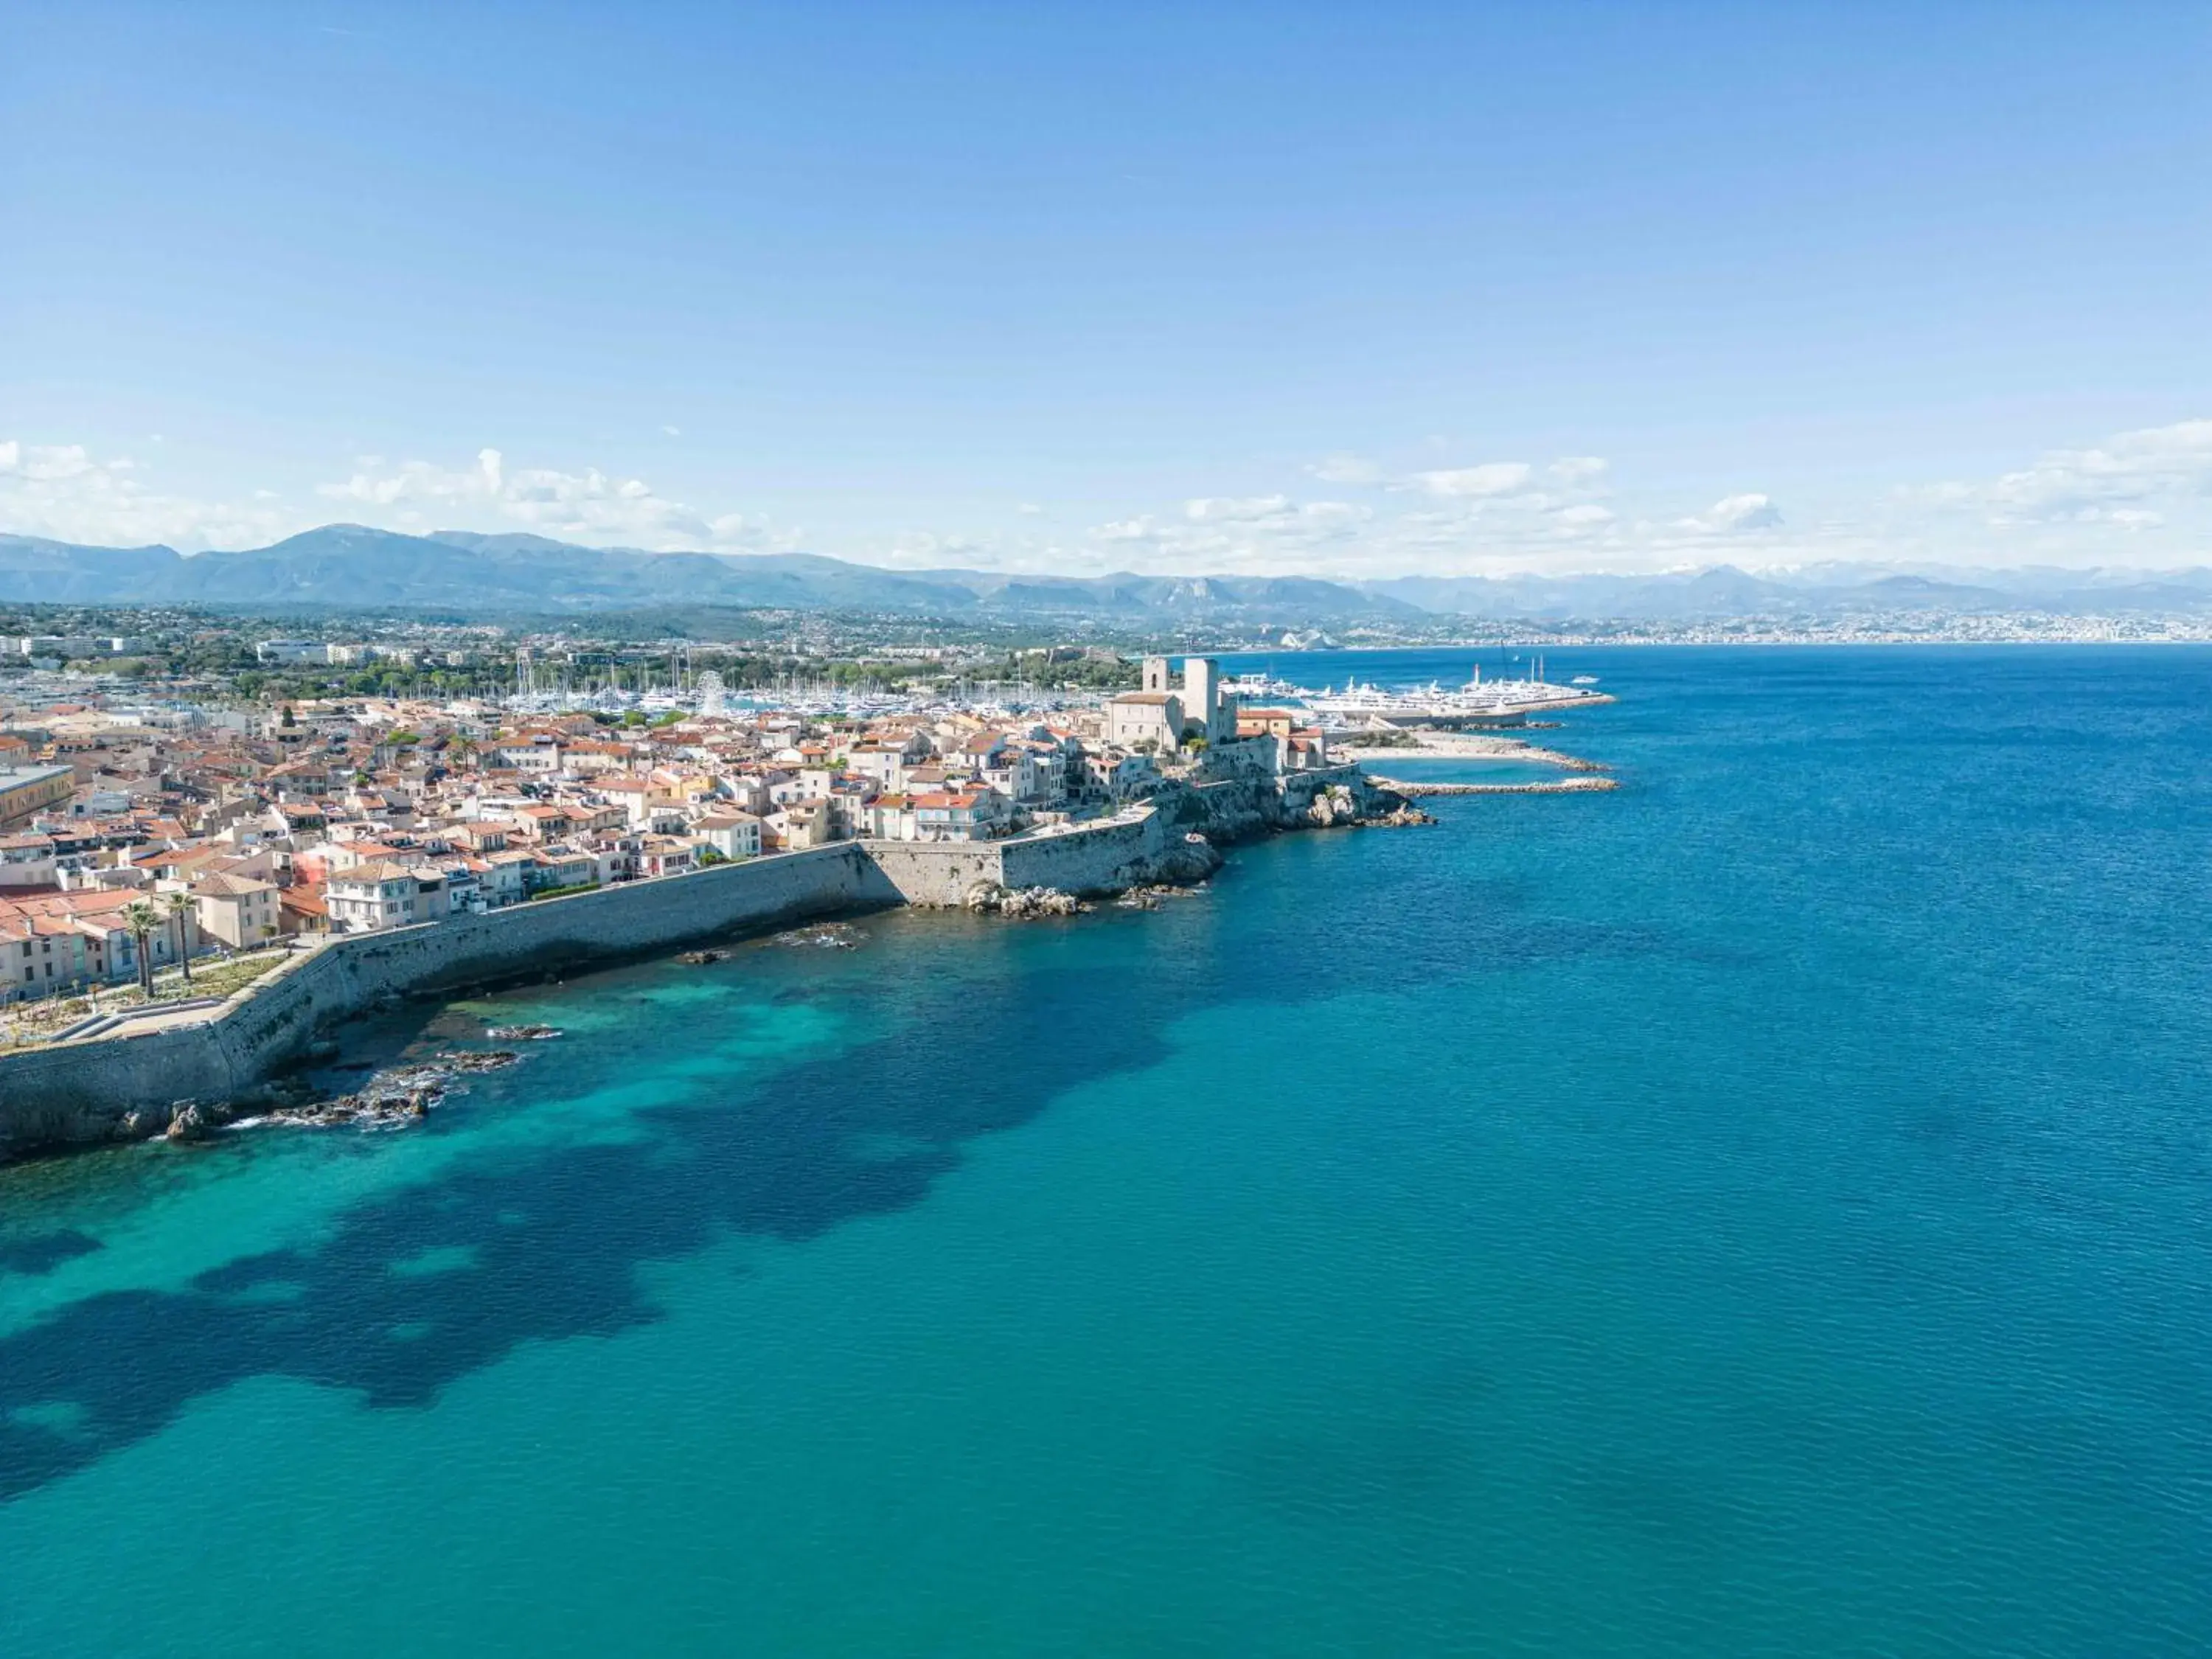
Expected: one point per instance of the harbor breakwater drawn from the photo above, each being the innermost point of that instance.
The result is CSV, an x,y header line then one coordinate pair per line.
x,y
127,1084
1585,784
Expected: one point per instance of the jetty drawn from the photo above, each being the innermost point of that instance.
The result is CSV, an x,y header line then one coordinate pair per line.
x,y
1586,783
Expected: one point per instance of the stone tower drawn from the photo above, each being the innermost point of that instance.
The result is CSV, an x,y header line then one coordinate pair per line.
x,y
1156,673
1201,695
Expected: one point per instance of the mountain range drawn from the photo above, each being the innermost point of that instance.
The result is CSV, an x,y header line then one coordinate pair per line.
x,y
351,567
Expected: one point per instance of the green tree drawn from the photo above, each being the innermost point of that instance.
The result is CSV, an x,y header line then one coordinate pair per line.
x,y
180,907
142,919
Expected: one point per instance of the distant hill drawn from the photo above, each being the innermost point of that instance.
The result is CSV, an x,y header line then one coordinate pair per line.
x,y
1723,592
351,567
344,566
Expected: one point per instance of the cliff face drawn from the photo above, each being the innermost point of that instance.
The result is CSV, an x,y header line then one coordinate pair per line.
x,y
1233,809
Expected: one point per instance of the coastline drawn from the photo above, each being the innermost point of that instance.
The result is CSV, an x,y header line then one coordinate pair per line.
x,y
137,1084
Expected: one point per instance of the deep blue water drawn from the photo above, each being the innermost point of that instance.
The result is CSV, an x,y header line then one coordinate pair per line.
x,y
1761,1211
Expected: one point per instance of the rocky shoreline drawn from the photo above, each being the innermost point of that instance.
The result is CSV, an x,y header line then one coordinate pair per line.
x,y
1189,862
395,1099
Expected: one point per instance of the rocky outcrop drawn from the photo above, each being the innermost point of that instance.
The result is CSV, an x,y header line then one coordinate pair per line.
x,y
391,1099
191,1121
1341,806
1022,903
396,1098
1333,807
1190,860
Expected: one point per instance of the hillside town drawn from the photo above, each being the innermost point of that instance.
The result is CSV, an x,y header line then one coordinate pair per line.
x,y
140,836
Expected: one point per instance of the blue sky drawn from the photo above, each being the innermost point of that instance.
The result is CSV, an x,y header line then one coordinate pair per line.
x,y
1353,290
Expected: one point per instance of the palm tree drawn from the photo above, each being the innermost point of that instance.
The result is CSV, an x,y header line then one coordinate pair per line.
x,y
180,907
142,919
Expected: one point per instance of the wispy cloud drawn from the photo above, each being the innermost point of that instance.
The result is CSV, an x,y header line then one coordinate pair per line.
x,y
1491,478
2137,497
1734,515
66,493
590,506
2131,481
1346,468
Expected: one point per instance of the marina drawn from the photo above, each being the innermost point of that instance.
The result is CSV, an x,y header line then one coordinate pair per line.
x,y
1499,701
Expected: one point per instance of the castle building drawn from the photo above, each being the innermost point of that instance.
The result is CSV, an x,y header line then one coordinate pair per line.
x,y
1158,714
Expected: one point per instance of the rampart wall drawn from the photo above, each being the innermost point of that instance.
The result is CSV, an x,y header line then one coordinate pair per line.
x,y
1103,858
79,1091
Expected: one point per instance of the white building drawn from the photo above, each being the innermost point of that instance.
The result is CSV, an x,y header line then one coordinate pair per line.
x,y
370,897
291,651
733,835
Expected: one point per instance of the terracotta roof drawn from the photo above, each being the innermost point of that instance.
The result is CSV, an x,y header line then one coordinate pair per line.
x,y
303,901
223,884
374,871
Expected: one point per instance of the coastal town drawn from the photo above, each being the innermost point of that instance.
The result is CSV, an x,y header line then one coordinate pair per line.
x,y
147,840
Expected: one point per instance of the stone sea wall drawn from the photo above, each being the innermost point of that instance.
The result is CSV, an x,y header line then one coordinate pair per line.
x,y
1096,859
75,1092
938,875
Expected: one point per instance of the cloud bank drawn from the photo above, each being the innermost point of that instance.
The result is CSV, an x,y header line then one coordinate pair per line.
x,y
589,507
2137,497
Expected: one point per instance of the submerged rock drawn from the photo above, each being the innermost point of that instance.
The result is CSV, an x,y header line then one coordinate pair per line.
x,y
828,935
1399,817
698,958
395,1099
473,1059
1150,894
521,1033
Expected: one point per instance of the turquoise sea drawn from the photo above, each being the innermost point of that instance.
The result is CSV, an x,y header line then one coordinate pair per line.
x,y
1767,1209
